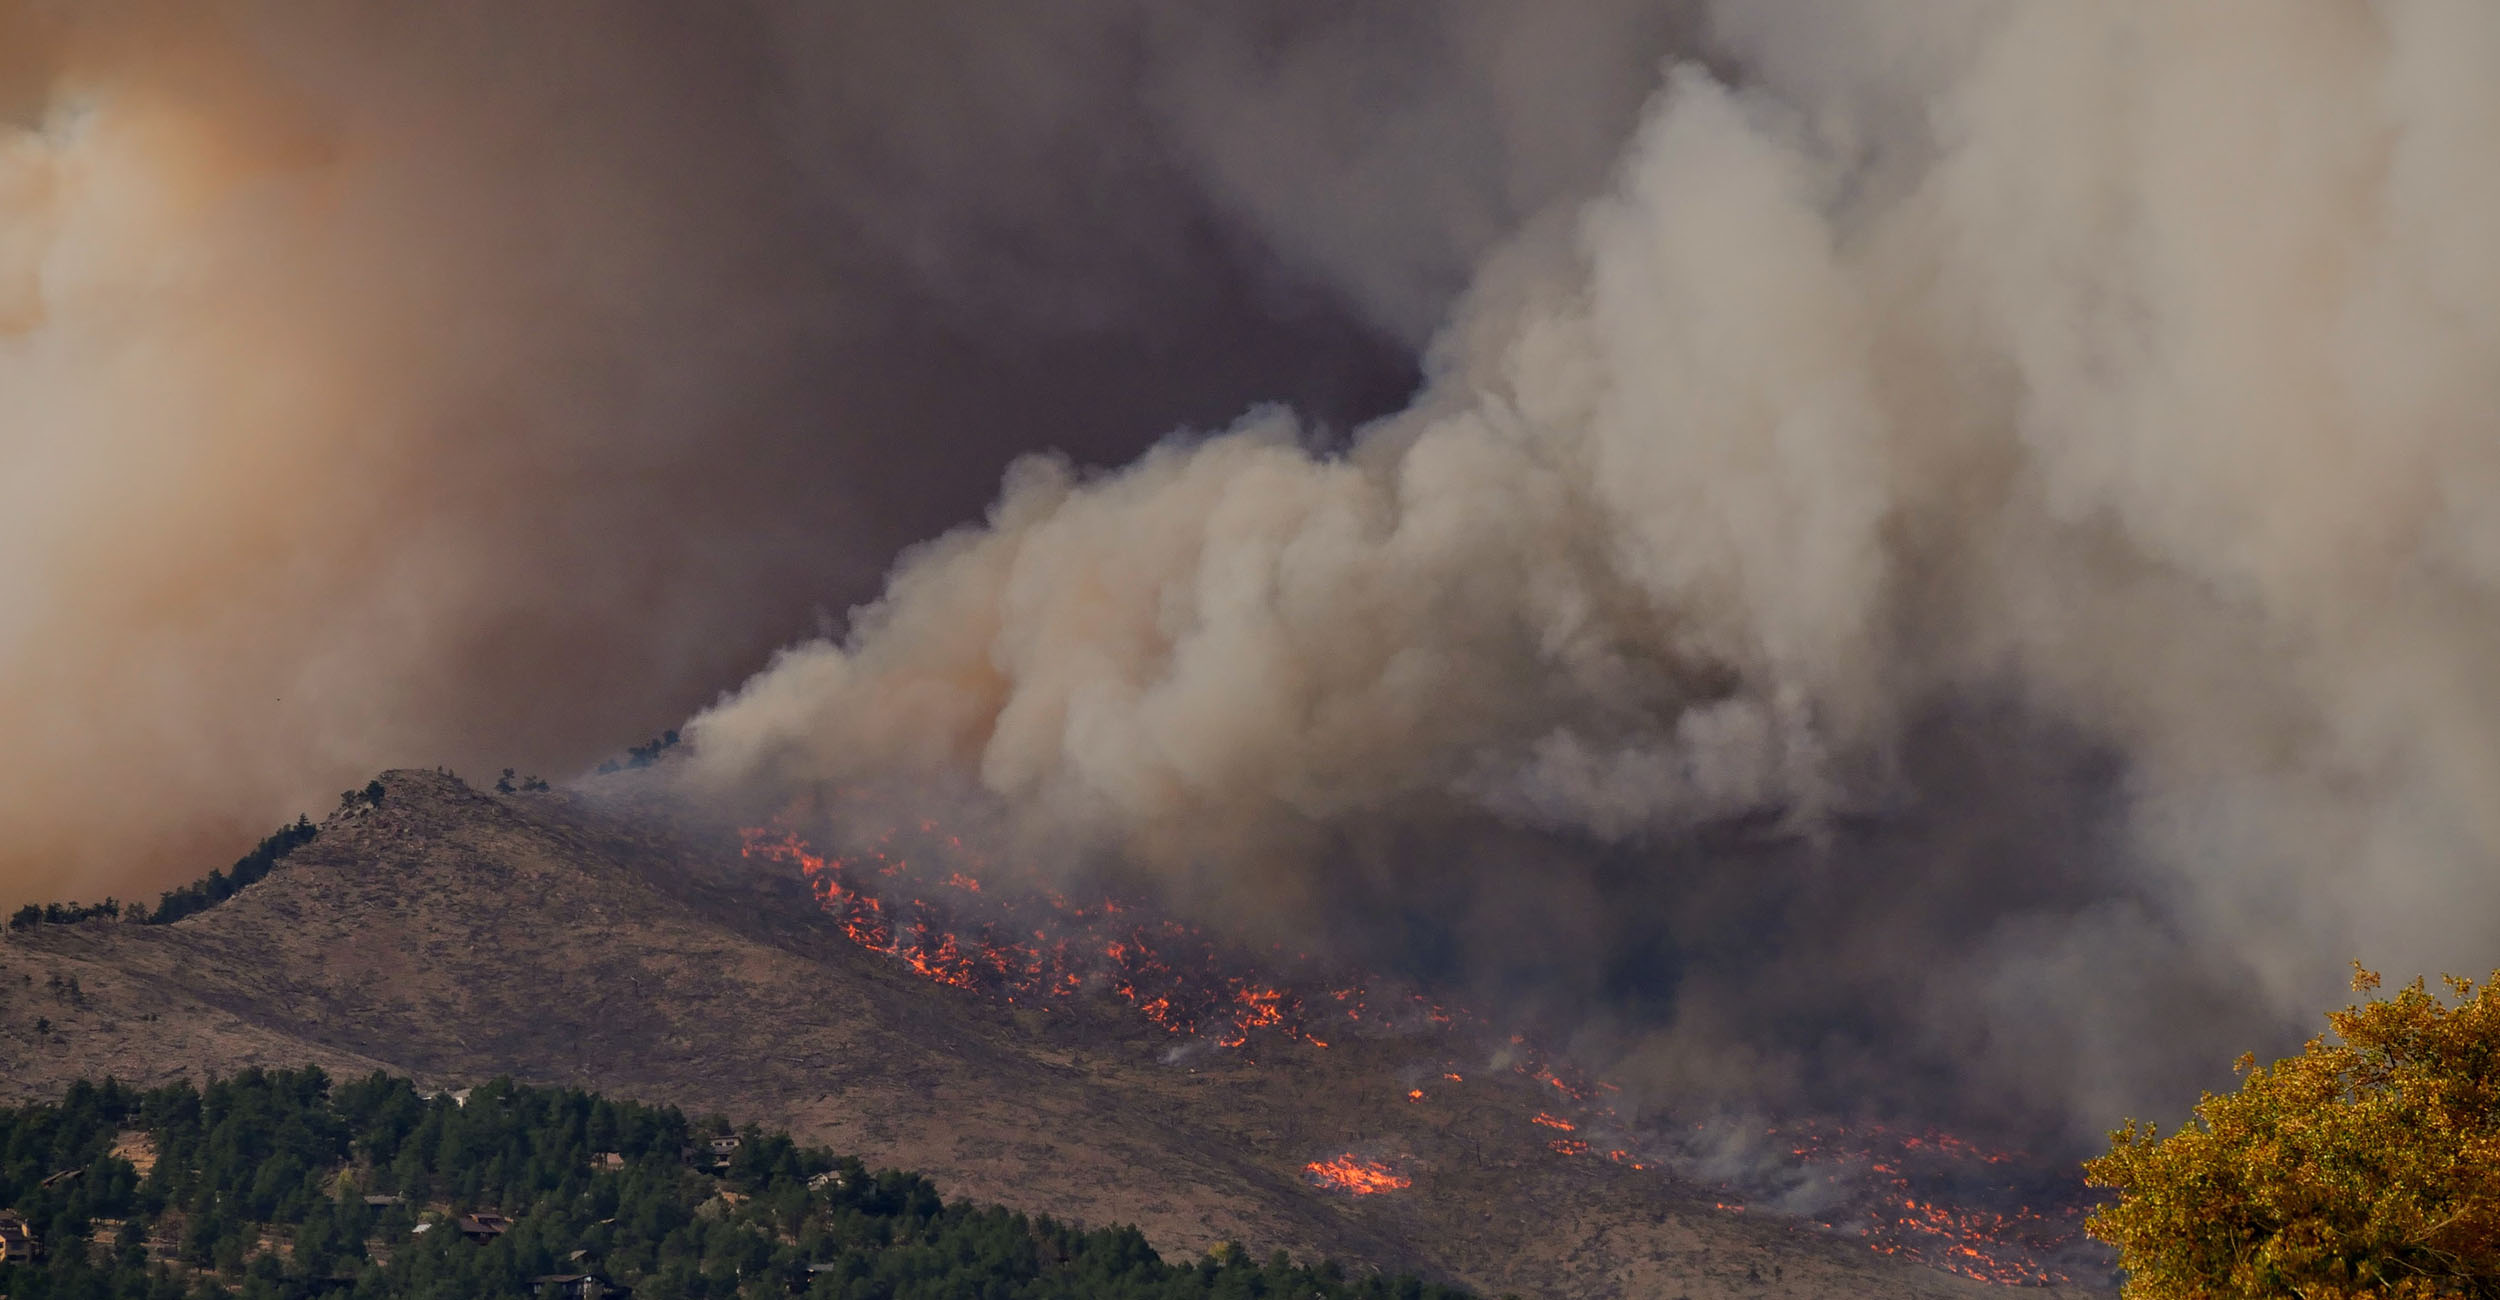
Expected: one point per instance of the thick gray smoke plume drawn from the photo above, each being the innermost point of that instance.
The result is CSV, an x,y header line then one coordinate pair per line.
x,y
480,384
1973,566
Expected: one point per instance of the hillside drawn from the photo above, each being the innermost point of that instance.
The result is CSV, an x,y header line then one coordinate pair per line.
x,y
279,1185
454,935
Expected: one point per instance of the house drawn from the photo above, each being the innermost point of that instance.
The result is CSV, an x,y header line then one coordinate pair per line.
x,y
806,1279
712,1154
577,1286
18,1242
385,1202
608,1160
483,1228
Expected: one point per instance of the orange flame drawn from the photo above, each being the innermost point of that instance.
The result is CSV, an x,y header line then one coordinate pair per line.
x,y
1354,1174
1167,971
2010,1248
1049,952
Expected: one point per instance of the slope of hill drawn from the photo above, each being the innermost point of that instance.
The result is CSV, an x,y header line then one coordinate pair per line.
x,y
276,1185
453,935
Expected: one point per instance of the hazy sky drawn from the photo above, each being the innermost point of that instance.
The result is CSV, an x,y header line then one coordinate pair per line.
x,y
475,385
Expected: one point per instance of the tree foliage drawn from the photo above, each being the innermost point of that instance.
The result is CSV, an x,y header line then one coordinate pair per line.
x,y
185,900
643,755
276,1185
32,915
2368,1165
218,886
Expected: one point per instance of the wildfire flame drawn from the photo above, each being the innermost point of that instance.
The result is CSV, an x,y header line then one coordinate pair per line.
x,y
1352,1173
1047,951
1922,1196
1911,1195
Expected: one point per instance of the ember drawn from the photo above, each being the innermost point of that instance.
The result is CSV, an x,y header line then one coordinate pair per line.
x,y
1918,1196
1352,1173
1928,1197
1043,950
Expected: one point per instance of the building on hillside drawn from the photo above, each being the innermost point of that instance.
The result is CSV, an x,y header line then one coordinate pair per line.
x,y
578,1286
713,1154
18,1242
483,1228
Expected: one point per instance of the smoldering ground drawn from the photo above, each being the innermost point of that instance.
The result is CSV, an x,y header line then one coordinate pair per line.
x,y
480,386
1962,575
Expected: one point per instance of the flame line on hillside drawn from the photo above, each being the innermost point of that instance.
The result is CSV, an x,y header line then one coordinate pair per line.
x,y
1048,951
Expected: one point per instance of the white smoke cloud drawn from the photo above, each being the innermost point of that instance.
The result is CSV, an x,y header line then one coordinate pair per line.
x,y
2134,362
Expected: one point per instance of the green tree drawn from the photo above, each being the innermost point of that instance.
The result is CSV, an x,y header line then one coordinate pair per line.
x,y
2368,1165
260,1179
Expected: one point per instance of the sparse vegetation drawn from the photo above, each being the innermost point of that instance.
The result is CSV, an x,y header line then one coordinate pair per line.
x,y
2365,1166
218,886
506,784
276,1184
32,915
643,755
198,896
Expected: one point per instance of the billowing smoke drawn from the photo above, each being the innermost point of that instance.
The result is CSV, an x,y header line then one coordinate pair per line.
x,y
484,385
1971,570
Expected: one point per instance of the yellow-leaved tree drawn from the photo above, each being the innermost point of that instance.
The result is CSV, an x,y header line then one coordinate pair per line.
x,y
2368,1165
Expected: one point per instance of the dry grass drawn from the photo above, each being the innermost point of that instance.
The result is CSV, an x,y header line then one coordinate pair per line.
x,y
455,935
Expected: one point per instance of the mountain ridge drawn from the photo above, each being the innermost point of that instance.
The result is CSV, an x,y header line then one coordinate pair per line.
x,y
565,937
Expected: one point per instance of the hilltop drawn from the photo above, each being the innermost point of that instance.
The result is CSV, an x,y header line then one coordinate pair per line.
x,y
566,938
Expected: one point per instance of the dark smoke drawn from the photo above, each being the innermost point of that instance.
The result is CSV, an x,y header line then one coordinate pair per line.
x,y
1934,557
477,385
1962,583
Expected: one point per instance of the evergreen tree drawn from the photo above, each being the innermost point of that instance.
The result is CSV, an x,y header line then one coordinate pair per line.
x,y
284,1156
